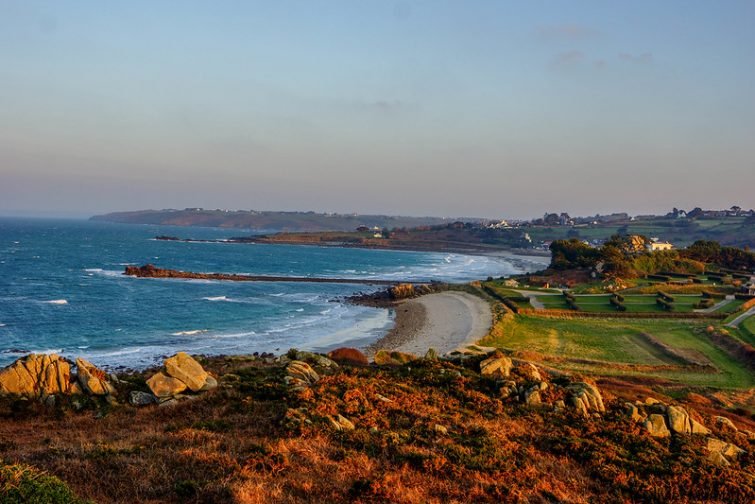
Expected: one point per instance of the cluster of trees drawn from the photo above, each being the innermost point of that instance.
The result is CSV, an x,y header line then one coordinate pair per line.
x,y
626,256
727,257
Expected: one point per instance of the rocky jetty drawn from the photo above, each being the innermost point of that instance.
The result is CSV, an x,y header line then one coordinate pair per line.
x,y
152,271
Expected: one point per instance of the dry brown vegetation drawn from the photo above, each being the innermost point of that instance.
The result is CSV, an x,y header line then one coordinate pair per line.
x,y
427,431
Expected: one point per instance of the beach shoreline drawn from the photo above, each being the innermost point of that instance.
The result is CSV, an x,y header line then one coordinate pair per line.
x,y
443,321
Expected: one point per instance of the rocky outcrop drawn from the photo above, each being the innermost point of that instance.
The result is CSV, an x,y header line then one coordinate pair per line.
x,y
496,366
300,376
181,373
92,379
655,424
722,452
681,423
586,398
183,367
676,418
38,376
165,386
528,371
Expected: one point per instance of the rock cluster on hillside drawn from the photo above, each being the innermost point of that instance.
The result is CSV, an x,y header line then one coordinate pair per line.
x,y
43,376
181,373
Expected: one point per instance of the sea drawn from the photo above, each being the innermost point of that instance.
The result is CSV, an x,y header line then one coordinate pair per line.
x,y
62,290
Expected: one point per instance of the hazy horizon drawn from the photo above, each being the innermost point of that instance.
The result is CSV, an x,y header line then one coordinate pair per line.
x,y
477,109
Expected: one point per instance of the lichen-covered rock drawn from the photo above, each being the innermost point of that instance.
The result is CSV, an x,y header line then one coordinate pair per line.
x,y
349,357
300,375
165,386
183,367
586,398
655,424
37,376
496,366
395,358
92,379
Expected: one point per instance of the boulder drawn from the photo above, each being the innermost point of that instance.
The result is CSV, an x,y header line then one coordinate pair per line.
x,y
165,386
139,398
316,359
183,367
655,424
680,422
496,366
395,358
37,376
532,396
209,384
92,379
718,459
633,412
341,423
586,397
348,356
300,375
728,450
529,371
724,423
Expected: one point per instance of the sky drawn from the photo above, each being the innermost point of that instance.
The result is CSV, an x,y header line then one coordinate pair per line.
x,y
448,108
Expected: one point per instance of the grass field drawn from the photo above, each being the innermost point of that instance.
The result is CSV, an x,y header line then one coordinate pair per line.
x,y
634,303
619,341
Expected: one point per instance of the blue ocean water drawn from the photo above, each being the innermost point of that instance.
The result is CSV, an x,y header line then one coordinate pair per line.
x,y
61,290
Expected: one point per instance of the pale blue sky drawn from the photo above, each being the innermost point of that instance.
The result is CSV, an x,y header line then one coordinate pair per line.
x,y
445,108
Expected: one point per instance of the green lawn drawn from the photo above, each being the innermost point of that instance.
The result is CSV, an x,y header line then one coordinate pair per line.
x,y
618,340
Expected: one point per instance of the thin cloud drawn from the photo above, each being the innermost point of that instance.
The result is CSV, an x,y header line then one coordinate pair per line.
x,y
568,59
567,32
645,58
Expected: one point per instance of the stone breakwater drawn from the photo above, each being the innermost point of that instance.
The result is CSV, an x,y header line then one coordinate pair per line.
x,y
151,271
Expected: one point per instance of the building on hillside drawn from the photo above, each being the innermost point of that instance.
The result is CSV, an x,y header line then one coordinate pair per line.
x,y
659,245
750,287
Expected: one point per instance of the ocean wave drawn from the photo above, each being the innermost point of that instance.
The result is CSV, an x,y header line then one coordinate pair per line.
x,y
103,272
189,333
56,302
216,298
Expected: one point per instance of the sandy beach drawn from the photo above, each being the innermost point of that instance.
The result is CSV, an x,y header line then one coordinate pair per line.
x,y
443,321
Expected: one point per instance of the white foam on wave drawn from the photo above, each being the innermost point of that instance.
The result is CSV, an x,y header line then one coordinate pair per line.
x,y
191,332
216,298
103,272
56,302
2,325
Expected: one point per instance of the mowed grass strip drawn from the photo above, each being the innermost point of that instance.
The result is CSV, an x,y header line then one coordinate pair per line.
x,y
618,340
